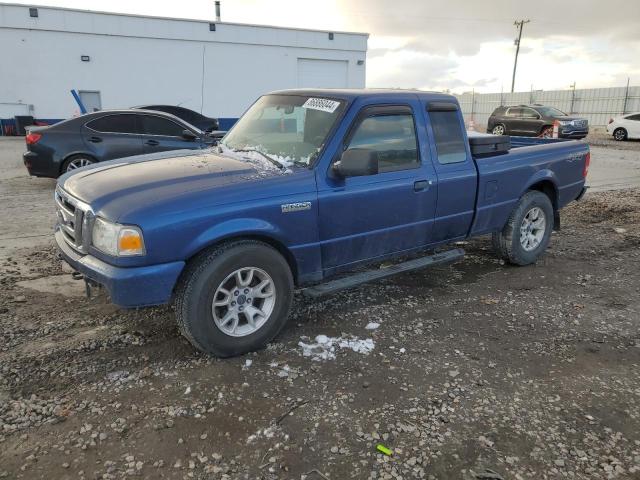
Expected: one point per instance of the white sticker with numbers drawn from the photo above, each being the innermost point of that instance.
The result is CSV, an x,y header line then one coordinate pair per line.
x,y
323,104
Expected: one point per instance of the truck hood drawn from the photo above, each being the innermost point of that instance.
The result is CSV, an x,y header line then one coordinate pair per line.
x,y
124,185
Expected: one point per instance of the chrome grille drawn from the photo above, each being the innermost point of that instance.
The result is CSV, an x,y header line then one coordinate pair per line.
x,y
581,123
74,220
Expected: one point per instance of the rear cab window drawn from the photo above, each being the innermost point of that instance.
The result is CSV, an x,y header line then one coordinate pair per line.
x,y
448,136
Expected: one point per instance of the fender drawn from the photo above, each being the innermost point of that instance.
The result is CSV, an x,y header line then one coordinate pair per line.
x,y
544,175
236,227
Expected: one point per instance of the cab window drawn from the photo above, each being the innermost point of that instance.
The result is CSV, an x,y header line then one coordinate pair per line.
x,y
448,135
392,137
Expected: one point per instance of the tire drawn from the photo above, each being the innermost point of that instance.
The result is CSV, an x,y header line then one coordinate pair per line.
x,y
499,129
203,324
507,243
620,134
76,161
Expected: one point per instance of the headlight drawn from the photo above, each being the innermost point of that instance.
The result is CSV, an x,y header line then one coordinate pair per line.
x,y
117,240
566,122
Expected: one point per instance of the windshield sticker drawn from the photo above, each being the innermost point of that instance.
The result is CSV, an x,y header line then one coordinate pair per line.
x,y
322,104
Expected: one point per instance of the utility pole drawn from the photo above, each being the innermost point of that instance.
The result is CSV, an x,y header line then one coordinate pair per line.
x,y
519,26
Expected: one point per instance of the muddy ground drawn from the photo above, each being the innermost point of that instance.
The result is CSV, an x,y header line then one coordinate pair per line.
x,y
478,370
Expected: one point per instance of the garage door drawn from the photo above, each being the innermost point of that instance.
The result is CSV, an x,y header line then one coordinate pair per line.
x,y
322,73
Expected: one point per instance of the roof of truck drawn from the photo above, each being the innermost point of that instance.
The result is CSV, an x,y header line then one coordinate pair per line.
x,y
353,93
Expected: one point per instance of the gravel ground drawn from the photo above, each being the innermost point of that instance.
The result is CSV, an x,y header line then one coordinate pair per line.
x,y
476,370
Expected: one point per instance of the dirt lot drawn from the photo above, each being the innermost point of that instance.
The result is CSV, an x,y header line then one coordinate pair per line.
x,y
475,371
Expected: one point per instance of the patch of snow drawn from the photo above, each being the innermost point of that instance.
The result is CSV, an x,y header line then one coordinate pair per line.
x,y
324,348
268,432
372,326
188,390
257,158
247,363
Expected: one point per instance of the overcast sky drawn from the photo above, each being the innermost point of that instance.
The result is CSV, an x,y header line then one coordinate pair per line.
x,y
449,44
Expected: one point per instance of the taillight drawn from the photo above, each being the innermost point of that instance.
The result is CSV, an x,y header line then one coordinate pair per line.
x,y
587,161
33,138
611,120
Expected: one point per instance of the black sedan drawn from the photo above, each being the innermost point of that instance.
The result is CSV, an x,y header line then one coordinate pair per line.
x,y
206,124
105,135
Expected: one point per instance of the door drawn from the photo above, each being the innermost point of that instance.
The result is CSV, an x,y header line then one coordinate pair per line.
x,y
160,134
113,136
515,121
531,123
632,124
361,218
456,169
91,100
313,73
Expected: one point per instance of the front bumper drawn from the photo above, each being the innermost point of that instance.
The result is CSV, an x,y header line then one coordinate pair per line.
x,y
128,286
577,134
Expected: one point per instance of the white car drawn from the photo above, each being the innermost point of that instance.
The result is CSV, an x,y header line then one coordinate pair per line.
x,y
625,127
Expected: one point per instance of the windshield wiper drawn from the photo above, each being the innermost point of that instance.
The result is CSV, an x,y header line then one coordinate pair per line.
x,y
275,162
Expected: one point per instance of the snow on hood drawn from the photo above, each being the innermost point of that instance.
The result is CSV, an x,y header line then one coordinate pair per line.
x,y
257,158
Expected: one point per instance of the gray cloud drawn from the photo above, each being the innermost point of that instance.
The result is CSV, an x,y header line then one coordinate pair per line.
x,y
435,30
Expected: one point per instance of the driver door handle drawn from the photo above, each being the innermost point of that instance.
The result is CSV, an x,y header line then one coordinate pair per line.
x,y
421,185
152,143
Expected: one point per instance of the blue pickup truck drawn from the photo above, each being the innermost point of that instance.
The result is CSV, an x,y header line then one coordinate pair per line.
x,y
308,187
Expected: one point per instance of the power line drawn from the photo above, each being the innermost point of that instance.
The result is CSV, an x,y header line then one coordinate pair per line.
x,y
519,25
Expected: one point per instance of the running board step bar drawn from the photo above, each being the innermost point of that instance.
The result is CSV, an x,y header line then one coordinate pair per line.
x,y
372,275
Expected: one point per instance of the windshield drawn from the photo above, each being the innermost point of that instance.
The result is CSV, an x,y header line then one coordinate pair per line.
x,y
551,112
283,129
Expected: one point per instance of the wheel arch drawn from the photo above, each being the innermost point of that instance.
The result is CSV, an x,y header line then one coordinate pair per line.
x,y
259,236
549,187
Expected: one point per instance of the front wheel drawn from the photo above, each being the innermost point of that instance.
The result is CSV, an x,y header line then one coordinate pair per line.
x,y
235,298
620,134
526,235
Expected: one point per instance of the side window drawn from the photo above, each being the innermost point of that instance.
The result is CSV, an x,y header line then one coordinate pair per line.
x,y
635,117
152,125
114,124
393,137
449,137
529,113
515,112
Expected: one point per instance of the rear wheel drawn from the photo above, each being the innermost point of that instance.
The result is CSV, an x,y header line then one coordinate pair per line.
x,y
77,161
526,235
235,298
620,134
499,129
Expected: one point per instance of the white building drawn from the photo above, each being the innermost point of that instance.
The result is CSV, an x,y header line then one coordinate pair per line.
x,y
116,61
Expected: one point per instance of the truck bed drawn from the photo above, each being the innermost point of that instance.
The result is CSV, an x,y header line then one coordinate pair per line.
x,y
543,162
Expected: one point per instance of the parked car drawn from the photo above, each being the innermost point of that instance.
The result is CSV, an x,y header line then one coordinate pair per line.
x,y
308,184
535,121
625,127
105,135
204,123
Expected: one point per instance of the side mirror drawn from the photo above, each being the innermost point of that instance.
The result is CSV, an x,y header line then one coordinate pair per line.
x,y
356,162
188,135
